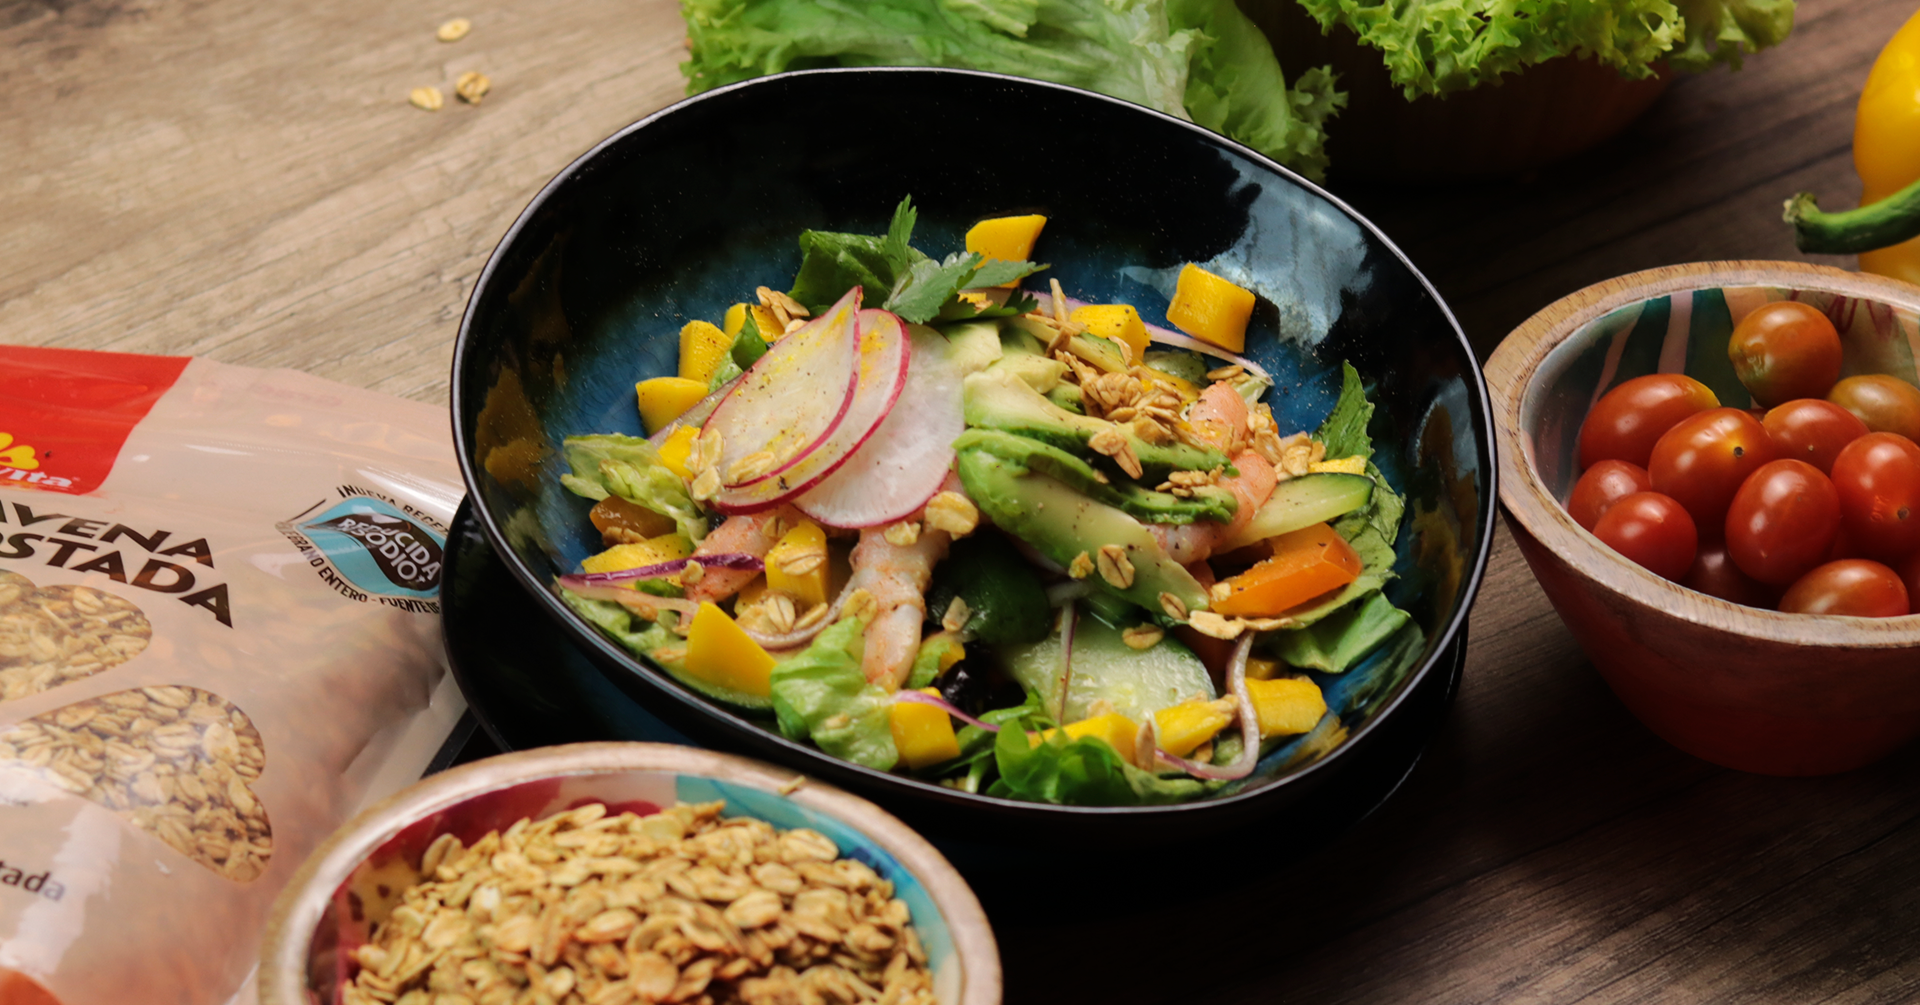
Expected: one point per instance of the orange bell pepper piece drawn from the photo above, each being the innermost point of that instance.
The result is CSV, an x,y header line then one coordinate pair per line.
x,y
1305,564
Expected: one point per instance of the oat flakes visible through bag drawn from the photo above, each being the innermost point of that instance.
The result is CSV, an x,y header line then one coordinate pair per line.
x,y
218,640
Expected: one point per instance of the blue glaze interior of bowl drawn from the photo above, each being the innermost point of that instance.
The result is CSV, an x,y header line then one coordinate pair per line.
x,y
1687,332
368,895
685,213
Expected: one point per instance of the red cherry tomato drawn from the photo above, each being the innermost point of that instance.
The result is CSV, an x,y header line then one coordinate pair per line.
x,y
1652,530
1603,485
1853,586
1886,404
1910,575
1812,430
1714,574
1878,476
1702,460
1782,522
1626,421
1785,350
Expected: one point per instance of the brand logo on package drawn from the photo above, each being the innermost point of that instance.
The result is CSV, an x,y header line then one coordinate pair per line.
x,y
65,413
372,548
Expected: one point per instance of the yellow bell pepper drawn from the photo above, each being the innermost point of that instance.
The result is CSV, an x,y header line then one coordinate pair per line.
x,y
720,652
1210,308
663,399
1885,230
923,733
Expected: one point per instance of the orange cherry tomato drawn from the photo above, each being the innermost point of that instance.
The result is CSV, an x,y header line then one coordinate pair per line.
x,y
1603,485
1626,421
1782,522
1886,404
1702,460
1878,477
1812,430
1785,350
1854,586
1652,530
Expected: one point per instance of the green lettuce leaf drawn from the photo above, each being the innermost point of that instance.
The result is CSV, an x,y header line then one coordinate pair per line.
x,y
822,695
1083,772
607,464
1441,46
618,622
1198,59
1343,638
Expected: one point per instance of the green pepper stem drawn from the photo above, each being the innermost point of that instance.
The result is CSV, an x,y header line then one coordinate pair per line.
x,y
1885,223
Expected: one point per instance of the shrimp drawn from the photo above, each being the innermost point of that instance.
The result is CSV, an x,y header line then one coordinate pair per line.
x,y
743,534
896,576
1220,419
1193,542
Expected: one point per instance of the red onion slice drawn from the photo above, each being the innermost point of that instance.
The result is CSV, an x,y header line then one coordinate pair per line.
x,y
662,570
922,698
1242,766
1171,337
799,636
1069,620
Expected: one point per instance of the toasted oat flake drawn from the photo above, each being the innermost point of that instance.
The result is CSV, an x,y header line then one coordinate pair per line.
x,y
952,512
454,30
471,86
804,562
755,465
1081,567
1209,623
1142,636
902,534
858,604
1228,372
427,98
957,615
780,612
706,484
1174,608
1114,566
692,573
1220,591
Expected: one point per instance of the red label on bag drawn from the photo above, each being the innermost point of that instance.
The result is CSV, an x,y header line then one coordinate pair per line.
x,y
65,413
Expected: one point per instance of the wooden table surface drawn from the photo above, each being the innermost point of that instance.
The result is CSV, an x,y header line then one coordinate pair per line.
x,y
245,180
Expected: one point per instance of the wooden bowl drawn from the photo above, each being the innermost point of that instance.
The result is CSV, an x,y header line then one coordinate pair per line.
x,y
1757,690
348,883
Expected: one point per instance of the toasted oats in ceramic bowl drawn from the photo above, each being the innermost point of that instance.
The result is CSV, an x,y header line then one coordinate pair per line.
x,y
626,873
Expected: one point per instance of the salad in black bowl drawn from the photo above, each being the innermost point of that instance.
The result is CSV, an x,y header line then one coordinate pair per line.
x,y
1158,530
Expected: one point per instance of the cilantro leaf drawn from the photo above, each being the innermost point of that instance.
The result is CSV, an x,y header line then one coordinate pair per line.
x,y
1344,433
923,293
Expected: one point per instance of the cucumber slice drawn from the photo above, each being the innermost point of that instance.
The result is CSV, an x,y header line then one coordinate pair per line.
x,y
1303,502
1137,683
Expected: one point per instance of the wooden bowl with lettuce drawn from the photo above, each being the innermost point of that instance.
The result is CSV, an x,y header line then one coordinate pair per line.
x,y
1113,481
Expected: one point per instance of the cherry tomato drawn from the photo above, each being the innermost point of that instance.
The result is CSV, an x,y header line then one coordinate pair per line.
x,y
1853,586
1626,421
1812,430
1714,574
1603,485
1910,574
1878,476
1652,530
1885,404
1782,522
1702,460
1785,350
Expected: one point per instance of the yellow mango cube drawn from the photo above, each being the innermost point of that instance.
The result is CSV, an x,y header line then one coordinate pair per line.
x,y
1182,728
1210,308
794,551
1287,706
734,320
702,347
1262,669
677,448
721,653
766,323
1119,322
1008,238
652,551
1116,730
1182,387
951,649
664,399
923,733
1355,465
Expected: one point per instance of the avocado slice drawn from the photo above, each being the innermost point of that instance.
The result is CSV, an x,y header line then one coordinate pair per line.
x,y
1036,371
1303,502
1062,524
1209,503
998,399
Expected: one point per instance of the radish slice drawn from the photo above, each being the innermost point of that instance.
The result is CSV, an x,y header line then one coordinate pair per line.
x,y
1158,334
906,460
793,398
880,372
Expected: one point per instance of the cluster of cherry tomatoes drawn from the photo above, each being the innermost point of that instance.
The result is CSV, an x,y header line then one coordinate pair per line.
x,y
1809,503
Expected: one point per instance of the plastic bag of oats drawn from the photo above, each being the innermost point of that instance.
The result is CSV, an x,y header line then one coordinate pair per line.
x,y
219,637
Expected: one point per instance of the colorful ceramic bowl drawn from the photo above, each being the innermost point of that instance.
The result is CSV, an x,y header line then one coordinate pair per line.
x,y
1785,694
331,904
681,214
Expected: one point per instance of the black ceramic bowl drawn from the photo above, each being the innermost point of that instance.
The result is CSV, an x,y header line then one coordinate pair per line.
x,y
686,211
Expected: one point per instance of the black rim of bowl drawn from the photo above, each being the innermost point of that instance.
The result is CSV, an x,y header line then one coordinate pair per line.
x,y
854,774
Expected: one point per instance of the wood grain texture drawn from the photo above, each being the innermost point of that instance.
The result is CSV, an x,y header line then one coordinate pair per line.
x,y
245,180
